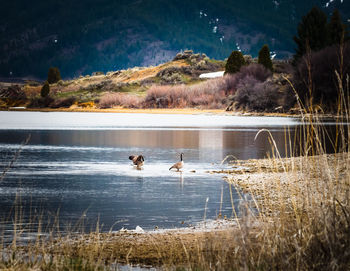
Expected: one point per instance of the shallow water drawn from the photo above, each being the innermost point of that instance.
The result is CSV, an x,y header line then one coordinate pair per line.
x,y
75,167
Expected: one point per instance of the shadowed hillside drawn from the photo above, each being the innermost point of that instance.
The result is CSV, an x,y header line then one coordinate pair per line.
x,y
82,37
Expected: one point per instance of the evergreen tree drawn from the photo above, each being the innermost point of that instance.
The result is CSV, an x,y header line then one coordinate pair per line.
x,y
234,62
312,32
264,57
336,29
53,75
45,90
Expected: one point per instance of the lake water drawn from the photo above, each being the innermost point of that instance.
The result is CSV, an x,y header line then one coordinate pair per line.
x,y
75,167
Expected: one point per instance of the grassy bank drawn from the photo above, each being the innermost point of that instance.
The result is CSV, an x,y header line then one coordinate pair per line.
x,y
172,85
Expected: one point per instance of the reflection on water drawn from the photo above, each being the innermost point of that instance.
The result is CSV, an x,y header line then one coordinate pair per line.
x,y
212,145
88,172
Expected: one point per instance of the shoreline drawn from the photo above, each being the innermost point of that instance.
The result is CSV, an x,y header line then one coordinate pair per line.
x,y
180,111
171,111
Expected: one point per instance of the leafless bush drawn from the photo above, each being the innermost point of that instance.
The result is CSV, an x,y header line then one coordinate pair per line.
x,y
63,102
208,94
40,102
109,100
315,77
258,71
254,95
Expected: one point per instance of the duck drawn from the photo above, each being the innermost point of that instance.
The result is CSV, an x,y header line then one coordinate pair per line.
x,y
137,160
178,165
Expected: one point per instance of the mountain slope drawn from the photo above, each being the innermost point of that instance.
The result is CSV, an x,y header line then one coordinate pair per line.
x,y
80,37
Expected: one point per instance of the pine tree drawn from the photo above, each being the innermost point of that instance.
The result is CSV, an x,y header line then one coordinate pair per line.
x,y
336,29
234,62
312,32
264,57
53,75
45,90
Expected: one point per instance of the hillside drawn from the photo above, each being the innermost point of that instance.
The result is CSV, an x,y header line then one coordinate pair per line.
x,y
80,37
86,91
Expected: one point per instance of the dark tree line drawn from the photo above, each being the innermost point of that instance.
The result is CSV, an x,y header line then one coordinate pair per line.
x,y
323,50
316,33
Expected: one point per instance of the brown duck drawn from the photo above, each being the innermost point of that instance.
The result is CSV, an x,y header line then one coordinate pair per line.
x,y
137,160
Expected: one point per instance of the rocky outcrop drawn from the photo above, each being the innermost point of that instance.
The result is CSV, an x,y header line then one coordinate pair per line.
x,y
183,55
197,64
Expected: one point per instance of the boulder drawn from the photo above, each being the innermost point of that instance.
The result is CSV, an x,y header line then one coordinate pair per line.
x,y
183,55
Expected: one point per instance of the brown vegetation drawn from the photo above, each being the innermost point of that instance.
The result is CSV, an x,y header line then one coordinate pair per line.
x,y
111,99
315,79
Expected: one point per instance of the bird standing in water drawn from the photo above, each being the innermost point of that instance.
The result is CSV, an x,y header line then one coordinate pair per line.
x,y
137,160
178,165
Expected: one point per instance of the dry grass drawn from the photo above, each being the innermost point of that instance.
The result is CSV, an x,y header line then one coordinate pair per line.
x,y
109,100
145,73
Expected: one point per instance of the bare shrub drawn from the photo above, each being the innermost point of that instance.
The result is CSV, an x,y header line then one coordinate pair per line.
x,y
64,102
315,77
40,102
254,95
109,100
282,66
230,83
157,97
257,71
208,94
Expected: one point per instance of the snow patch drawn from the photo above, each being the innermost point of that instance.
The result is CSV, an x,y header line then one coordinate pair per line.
x,y
329,2
276,3
212,75
238,47
138,229
204,226
273,55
